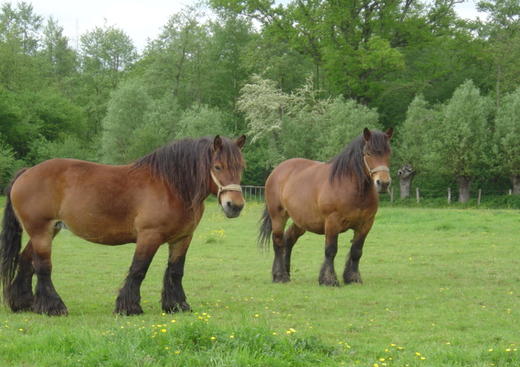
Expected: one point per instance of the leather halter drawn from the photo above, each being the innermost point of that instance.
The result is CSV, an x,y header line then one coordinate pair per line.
x,y
371,171
221,188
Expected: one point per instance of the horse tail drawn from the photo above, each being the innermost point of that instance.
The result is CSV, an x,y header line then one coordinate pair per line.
x,y
10,241
266,228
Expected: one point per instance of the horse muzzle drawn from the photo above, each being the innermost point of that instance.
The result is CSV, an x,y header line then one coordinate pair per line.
x,y
382,186
230,209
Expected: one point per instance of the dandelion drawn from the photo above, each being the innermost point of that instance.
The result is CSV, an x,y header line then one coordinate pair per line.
x,y
213,338
375,365
490,349
381,359
173,321
177,352
20,329
508,349
275,333
423,358
417,354
163,330
231,336
257,315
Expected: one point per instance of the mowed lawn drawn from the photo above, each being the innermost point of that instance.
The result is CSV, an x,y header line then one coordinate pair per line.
x,y
441,288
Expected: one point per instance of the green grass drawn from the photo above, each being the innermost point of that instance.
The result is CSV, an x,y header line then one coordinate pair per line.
x,y
441,288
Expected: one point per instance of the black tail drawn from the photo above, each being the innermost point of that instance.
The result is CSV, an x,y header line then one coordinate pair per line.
x,y
10,242
266,228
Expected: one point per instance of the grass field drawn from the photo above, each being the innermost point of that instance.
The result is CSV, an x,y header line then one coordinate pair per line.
x,y
441,288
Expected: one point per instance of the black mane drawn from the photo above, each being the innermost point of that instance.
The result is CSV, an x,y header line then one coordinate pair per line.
x,y
350,161
185,165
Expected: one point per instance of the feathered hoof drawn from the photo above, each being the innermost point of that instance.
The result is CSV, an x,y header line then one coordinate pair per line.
x,y
52,306
177,307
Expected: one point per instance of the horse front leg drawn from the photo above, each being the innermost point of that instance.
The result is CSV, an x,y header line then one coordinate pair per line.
x,y
173,296
351,273
46,299
327,272
129,298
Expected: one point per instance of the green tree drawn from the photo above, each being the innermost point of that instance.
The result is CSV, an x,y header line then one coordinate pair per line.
x,y
56,51
22,24
414,142
502,33
8,164
125,113
461,139
507,138
176,60
106,53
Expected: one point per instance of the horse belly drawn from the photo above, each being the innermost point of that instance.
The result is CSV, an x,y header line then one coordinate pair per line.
x,y
100,221
100,230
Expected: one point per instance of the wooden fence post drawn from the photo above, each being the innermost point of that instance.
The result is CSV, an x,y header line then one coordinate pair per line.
x,y
392,194
479,196
510,192
449,195
417,197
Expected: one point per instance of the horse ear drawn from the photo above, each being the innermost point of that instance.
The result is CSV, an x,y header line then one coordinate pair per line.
x,y
389,132
217,143
366,134
241,141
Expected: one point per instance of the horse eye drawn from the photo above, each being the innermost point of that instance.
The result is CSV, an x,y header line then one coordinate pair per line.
x,y
217,168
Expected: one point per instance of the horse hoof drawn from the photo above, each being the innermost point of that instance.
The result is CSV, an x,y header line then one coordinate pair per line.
x,y
329,282
177,307
284,278
23,304
128,310
352,278
54,307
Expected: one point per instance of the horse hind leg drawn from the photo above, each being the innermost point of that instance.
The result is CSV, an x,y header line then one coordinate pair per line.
x,y
279,270
21,296
290,237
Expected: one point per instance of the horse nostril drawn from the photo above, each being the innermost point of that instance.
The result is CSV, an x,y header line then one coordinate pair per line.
x,y
378,182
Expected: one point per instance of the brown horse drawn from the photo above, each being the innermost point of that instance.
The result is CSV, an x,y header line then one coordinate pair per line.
x,y
157,199
326,198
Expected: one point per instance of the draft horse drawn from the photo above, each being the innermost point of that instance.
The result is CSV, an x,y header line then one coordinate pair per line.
x,y
326,198
157,199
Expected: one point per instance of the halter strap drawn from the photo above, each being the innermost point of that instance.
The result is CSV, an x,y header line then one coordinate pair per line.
x,y
371,171
221,189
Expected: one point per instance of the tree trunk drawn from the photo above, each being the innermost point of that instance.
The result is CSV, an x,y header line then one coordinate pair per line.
x,y
464,184
516,184
406,174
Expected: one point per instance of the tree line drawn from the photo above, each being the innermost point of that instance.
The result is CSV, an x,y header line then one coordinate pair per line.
x,y
299,79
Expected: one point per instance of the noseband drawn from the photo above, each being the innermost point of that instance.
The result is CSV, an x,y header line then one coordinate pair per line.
x,y
221,188
371,171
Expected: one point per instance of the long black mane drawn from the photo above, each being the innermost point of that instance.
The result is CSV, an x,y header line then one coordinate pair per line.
x,y
349,163
185,165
